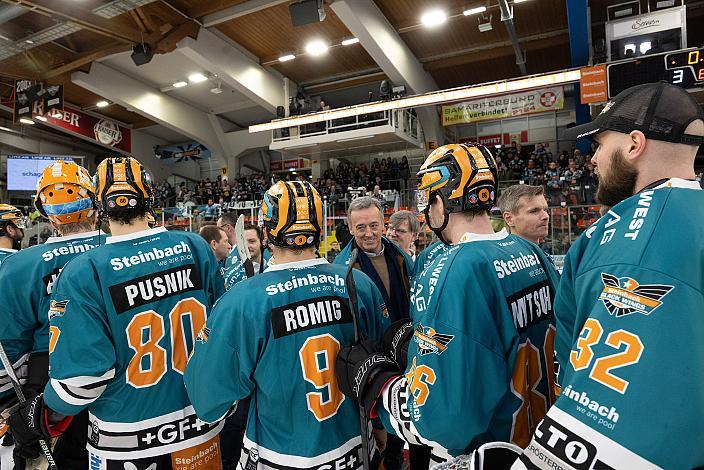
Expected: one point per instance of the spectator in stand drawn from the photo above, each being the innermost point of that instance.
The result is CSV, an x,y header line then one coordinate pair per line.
x,y
553,183
211,210
403,230
525,211
217,239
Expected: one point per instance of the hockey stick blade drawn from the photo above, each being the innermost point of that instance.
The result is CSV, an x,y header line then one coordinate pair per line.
x,y
354,305
241,245
20,396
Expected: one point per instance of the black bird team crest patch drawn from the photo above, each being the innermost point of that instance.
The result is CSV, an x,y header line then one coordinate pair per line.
x,y
430,341
624,295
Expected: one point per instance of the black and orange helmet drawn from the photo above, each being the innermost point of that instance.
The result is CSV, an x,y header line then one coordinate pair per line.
x,y
122,184
463,175
10,215
293,214
65,193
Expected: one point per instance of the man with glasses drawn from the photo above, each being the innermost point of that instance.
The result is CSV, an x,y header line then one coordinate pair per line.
x,y
403,230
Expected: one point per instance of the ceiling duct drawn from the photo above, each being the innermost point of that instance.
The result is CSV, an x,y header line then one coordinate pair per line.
x,y
61,29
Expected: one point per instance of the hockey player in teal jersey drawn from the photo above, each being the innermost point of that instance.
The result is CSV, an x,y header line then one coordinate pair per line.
x,y
426,257
11,230
631,298
234,270
65,196
278,333
122,323
479,348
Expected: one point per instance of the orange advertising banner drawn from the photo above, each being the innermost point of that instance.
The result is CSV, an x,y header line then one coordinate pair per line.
x,y
593,86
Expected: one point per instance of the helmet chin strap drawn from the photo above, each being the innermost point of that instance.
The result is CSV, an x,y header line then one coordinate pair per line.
x,y
446,219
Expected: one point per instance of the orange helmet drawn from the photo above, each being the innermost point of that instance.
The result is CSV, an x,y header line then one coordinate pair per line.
x,y
65,193
10,214
122,185
293,214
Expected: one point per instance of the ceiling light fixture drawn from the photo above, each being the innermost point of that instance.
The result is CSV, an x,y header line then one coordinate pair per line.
x,y
286,58
428,99
26,121
102,104
519,1
6,129
316,47
197,77
179,84
350,41
474,11
29,41
433,18
41,118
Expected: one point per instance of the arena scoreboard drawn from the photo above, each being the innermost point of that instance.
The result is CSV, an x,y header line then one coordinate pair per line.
x,y
681,68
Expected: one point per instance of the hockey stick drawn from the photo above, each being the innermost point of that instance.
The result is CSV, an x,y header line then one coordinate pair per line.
x,y
354,303
242,249
20,396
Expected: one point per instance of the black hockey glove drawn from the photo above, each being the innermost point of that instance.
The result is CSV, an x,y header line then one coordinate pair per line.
x,y
28,425
362,373
395,342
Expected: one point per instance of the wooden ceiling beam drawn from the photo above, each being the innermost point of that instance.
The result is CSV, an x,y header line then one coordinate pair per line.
x,y
146,20
168,42
87,58
84,18
495,50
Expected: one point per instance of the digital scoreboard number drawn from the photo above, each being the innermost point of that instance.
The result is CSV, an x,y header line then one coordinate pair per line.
x,y
683,68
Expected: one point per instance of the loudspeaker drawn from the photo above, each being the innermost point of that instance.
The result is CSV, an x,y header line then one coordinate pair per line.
x,y
142,54
306,12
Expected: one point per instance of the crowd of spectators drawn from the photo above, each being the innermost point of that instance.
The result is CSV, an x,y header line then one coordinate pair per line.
x,y
220,191
568,180
387,173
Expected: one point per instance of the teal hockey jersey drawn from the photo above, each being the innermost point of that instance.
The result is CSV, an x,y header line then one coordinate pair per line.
x,y
481,358
5,252
27,279
123,322
630,312
275,337
427,256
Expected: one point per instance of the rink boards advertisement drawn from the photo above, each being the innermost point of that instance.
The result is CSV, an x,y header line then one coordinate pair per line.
x,y
499,107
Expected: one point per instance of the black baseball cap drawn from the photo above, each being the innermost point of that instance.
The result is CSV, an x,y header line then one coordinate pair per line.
x,y
659,110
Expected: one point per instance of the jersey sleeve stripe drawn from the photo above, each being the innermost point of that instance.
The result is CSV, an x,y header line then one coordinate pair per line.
x,y
85,381
81,391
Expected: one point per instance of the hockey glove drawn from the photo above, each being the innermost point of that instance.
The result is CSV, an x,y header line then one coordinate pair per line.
x,y
395,342
362,372
30,423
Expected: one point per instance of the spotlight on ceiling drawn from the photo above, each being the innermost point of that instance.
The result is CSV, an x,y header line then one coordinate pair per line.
x,y
316,47
41,118
286,58
102,104
474,11
350,41
197,77
142,53
433,18
485,24
26,121
179,84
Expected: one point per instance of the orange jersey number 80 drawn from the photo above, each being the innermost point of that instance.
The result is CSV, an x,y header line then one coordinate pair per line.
x,y
146,330
582,356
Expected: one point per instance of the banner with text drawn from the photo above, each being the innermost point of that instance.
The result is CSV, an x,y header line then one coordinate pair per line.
x,y
499,107
182,153
99,130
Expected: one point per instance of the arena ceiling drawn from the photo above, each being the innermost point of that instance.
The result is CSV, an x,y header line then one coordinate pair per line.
x,y
56,40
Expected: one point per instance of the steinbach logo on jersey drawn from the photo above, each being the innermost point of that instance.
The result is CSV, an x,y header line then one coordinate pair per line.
x,y
57,308
429,341
623,296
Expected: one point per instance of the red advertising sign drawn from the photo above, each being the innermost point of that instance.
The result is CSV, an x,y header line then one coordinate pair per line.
x,y
281,165
101,131
489,139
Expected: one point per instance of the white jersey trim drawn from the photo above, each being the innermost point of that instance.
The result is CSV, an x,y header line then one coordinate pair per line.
x,y
135,235
478,237
82,390
296,264
8,250
73,236
680,183
608,452
297,461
